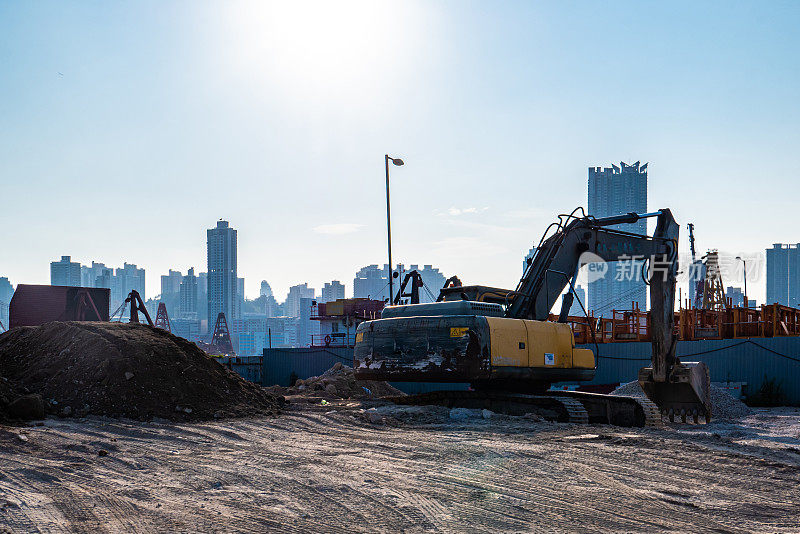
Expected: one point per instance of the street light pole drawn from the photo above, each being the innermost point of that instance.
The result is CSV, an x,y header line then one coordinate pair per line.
x,y
398,162
744,272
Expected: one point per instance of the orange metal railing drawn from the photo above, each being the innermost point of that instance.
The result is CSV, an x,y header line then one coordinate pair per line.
x,y
773,320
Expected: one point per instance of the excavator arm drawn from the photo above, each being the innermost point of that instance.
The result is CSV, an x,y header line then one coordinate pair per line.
x,y
678,389
559,257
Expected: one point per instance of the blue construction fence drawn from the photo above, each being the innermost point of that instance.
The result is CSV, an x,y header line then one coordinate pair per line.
x,y
749,361
248,367
746,361
281,364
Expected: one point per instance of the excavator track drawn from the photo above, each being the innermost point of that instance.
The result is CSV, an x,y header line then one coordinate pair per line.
x,y
561,406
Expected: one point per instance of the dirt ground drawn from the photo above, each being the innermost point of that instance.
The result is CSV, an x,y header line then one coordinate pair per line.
x,y
327,468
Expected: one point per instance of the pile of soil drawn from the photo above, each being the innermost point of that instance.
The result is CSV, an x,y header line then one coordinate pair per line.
x,y
338,382
723,405
123,370
17,403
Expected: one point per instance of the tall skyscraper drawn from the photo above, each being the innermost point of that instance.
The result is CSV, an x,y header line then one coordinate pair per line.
x,y
202,300
265,291
188,291
306,327
783,274
528,256
332,290
222,279
6,292
171,283
126,278
296,293
90,275
614,191
371,282
239,298
575,310
65,272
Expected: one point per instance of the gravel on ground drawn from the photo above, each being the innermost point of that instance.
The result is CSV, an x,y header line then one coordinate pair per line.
x,y
723,405
336,467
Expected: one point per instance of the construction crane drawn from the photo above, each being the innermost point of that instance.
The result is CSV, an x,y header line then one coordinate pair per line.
x,y
137,305
713,286
162,318
697,272
509,350
221,338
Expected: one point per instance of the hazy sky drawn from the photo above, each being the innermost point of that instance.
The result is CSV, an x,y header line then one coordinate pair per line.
x,y
128,128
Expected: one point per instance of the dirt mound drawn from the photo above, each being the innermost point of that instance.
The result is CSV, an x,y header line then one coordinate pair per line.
x,y
18,404
123,370
723,406
339,382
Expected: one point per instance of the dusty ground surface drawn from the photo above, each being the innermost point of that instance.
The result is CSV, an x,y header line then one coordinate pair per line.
x,y
326,468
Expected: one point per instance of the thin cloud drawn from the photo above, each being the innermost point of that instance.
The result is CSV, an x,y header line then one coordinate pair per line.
x,y
455,212
337,229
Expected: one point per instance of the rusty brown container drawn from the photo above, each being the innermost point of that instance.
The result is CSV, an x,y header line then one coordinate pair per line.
x,y
34,305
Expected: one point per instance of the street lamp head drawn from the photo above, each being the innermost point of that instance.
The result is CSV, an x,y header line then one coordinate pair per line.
x,y
397,161
739,258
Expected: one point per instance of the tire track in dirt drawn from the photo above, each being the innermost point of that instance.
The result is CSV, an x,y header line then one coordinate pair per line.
x,y
317,470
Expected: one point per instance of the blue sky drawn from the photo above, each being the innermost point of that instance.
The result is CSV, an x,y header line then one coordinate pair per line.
x,y
128,128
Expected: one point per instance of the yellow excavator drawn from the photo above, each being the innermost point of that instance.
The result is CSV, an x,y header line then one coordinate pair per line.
x,y
502,343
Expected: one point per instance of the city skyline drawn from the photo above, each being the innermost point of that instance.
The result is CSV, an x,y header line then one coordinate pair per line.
x,y
248,123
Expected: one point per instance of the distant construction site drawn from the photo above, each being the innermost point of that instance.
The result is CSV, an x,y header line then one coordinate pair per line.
x,y
483,410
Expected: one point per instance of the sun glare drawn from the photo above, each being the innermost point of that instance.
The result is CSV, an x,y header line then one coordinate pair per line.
x,y
309,48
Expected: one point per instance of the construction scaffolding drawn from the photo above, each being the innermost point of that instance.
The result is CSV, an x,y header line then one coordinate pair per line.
x,y
773,320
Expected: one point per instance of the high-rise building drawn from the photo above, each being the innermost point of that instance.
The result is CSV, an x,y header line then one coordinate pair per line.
x,y
6,292
735,295
332,290
614,191
188,295
96,275
575,310
783,274
239,298
306,328
171,283
296,293
527,258
371,282
126,279
65,272
266,290
222,278
187,328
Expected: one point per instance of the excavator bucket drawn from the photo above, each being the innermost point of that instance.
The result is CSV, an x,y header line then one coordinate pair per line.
x,y
686,393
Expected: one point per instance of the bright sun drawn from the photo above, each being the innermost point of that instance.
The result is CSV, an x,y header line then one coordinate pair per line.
x,y
311,47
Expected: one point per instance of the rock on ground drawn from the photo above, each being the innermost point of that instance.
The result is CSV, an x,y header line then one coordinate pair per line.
x,y
723,405
121,370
